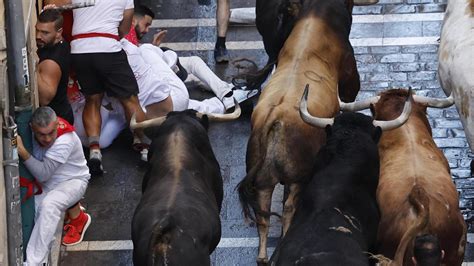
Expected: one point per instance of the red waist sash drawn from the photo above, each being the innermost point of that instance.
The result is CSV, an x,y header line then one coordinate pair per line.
x,y
95,34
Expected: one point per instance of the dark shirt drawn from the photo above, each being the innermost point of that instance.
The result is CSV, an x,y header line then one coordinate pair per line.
x,y
60,53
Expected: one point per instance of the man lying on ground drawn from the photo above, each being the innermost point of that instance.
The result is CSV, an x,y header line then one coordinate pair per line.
x,y
162,61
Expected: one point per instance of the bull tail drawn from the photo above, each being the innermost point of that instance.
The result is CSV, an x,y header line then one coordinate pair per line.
x,y
248,192
160,240
248,195
255,81
419,199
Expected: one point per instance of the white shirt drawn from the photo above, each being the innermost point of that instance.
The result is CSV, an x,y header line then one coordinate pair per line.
x,y
67,150
154,76
78,101
104,17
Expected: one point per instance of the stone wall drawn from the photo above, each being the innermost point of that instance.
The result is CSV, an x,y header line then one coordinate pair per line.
x,y
402,6
416,66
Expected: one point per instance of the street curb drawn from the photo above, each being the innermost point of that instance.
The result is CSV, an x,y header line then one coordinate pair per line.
x,y
56,247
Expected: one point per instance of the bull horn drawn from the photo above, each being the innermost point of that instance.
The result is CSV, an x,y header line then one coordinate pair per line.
x,y
358,105
147,123
223,117
399,121
312,120
434,102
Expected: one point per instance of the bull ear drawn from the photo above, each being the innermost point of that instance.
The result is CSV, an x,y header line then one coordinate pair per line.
x,y
294,8
372,110
349,5
328,129
205,122
150,132
377,134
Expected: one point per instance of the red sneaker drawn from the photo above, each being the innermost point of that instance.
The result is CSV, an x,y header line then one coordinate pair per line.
x,y
75,232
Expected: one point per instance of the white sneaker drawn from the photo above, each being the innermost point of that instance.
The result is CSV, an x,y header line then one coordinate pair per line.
x,y
95,162
144,155
228,102
240,95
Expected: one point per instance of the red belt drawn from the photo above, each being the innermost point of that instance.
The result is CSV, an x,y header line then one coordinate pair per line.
x,y
95,34
30,188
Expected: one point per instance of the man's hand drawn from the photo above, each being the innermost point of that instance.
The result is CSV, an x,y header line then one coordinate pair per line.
x,y
158,37
22,152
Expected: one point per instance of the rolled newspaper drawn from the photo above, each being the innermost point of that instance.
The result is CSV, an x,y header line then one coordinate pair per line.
x,y
85,3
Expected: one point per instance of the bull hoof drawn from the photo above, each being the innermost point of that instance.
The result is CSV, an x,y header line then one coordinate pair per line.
x,y
262,262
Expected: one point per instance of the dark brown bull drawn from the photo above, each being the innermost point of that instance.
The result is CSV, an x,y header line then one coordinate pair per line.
x,y
177,219
282,148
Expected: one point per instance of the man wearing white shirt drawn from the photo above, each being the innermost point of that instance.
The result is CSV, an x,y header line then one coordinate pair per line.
x,y
101,66
59,167
166,81
161,90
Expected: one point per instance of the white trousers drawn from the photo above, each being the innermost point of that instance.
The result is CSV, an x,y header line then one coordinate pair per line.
x,y
49,207
212,105
112,124
181,101
178,91
198,68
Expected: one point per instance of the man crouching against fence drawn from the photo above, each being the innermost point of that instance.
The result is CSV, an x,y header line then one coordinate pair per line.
x,y
59,166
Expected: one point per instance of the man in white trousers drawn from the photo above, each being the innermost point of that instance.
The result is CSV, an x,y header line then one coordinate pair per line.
x,y
59,166
164,64
101,66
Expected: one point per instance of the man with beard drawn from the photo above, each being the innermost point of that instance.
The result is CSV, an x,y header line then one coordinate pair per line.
x,y
58,164
160,76
54,62
162,60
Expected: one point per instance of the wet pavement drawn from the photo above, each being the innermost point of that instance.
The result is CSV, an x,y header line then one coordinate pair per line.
x,y
112,198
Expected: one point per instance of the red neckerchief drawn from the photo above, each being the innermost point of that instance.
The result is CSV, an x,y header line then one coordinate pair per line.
x,y
132,36
64,127
30,185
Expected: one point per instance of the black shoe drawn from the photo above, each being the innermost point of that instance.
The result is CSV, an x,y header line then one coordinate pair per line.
x,y
221,55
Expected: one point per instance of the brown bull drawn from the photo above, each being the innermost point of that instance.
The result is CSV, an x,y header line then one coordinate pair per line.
x,y
416,194
282,148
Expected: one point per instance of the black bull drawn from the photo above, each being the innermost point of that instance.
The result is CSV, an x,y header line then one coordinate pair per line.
x,y
177,220
337,218
275,20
